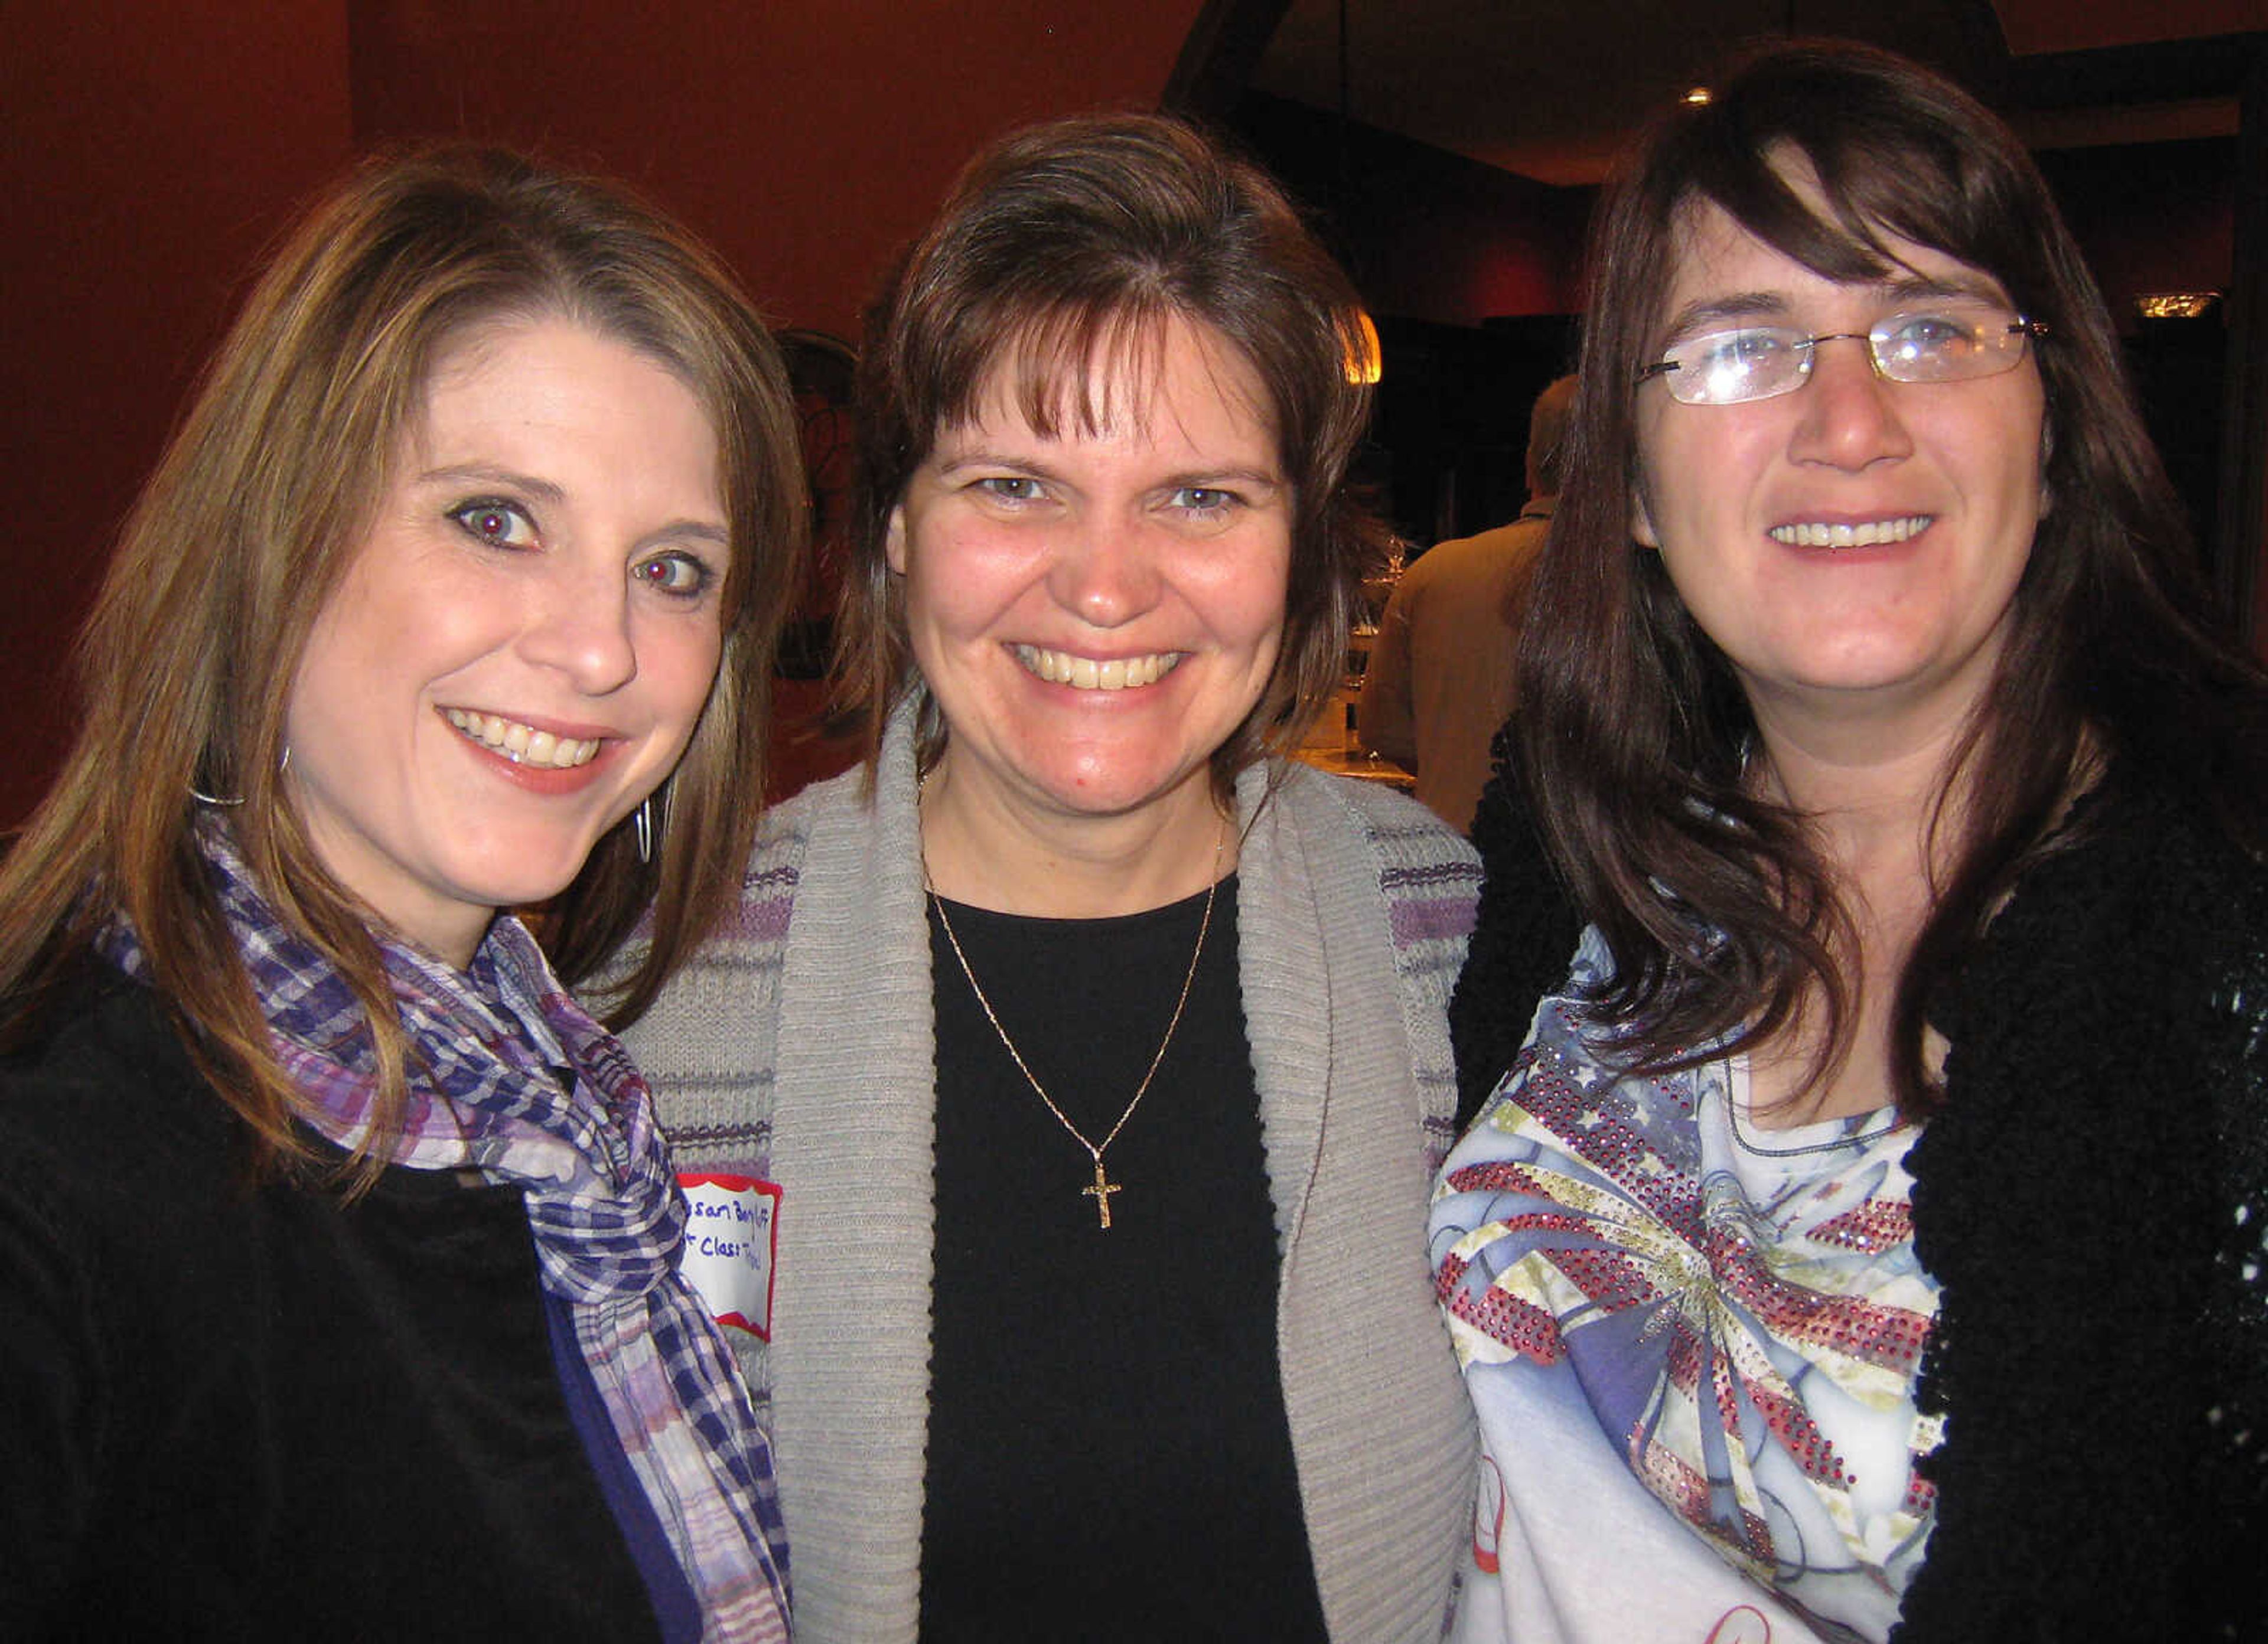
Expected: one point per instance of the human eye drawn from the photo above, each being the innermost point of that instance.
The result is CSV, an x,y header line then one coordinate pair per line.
x,y
1726,367
495,521
1009,487
1937,342
678,573
1204,502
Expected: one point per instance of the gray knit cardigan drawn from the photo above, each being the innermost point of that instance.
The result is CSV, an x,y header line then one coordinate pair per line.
x,y
798,1047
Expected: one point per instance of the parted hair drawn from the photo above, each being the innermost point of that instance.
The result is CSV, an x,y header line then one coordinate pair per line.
x,y
263,497
1059,257
1634,736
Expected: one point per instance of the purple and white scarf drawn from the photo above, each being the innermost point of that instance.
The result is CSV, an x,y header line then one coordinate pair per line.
x,y
510,1076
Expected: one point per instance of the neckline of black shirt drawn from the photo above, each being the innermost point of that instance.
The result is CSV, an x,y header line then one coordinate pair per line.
x,y
1107,1448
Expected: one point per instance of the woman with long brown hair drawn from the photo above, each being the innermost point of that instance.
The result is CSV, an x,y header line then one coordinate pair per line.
x,y
337,1279
1866,1234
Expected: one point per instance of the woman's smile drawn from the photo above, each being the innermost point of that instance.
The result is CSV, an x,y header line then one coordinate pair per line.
x,y
1840,533
522,743
1091,674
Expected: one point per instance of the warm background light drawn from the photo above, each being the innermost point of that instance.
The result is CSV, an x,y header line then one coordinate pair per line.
x,y
2175,304
1364,363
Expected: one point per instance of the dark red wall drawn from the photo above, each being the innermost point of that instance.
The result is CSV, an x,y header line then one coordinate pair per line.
x,y
148,151
804,138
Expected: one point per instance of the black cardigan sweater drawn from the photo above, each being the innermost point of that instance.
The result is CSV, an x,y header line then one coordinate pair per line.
x,y
252,1412
2091,1200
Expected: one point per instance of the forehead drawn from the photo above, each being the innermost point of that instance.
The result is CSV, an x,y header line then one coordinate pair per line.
x,y
1721,273
568,408
1149,378
519,359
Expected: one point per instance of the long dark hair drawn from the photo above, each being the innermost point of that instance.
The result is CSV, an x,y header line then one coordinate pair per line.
x,y
243,532
1077,241
1720,912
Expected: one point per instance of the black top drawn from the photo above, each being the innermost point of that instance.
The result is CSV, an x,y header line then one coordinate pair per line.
x,y
252,1413
1109,1456
2091,1201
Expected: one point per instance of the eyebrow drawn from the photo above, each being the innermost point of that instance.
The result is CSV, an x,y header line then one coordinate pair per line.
x,y
688,531
1202,477
483,474
551,493
1737,306
980,457
1217,478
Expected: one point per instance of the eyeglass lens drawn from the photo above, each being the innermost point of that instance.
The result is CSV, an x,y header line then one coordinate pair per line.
x,y
1759,361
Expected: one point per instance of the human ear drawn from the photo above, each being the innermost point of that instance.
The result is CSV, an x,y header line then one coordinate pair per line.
x,y
893,540
1641,522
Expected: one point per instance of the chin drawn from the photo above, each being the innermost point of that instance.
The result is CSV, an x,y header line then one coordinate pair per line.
x,y
530,879
1127,795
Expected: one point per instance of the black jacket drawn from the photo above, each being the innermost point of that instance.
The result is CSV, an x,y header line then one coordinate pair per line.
x,y
249,1412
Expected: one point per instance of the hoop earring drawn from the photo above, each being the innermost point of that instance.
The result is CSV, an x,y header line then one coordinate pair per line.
x,y
641,824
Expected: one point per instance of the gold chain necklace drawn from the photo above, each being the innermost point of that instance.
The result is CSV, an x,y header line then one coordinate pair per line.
x,y
1103,1187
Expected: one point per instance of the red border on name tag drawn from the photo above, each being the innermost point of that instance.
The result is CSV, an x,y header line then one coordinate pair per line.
x,y
764,1190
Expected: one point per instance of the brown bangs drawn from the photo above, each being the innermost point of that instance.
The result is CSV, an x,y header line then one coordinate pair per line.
x,y
1883,166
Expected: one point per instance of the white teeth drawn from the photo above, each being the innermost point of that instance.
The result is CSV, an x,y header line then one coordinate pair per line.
x,y
1084,674
1865,536
522,744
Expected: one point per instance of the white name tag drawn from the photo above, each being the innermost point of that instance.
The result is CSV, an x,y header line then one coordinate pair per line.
x,y
732,1232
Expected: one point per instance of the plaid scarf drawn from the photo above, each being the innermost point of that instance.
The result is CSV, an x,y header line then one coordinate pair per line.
x,y
509,1075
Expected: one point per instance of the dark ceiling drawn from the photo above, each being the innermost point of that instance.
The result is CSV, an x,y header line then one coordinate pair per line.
x,y
1552,90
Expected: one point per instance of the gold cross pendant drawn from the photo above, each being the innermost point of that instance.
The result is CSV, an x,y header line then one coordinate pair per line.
x,y
1100,1194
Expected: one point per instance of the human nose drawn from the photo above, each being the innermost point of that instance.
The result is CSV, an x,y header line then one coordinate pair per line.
x,y
580,625
1109,574
1846,416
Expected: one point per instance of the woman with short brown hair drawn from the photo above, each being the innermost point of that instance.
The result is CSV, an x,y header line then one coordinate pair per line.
x,y
1095,1051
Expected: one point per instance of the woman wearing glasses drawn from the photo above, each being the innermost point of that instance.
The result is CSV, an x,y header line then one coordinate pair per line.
x,y
1866,1234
